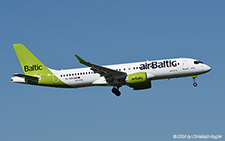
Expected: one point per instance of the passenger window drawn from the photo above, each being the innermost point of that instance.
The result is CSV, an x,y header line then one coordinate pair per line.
x,y
136,67
69,74
66,74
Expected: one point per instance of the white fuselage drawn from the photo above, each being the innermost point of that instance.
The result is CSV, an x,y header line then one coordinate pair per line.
x,y
159,69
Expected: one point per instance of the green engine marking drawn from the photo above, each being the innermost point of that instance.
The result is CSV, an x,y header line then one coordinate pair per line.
x,y
138,81
136,78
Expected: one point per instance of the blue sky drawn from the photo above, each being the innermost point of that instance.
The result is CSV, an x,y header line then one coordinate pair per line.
x,y
110,32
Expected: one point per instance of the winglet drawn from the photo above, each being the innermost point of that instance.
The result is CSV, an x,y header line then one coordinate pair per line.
x,y
80,59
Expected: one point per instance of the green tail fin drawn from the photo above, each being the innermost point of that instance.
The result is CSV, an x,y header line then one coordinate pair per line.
x,y
30,64
34,67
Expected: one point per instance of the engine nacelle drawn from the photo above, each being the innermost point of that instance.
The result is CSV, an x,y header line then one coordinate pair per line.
x,y
138,81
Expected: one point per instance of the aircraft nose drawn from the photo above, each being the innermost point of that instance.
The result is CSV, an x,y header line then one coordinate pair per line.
x,y
207,68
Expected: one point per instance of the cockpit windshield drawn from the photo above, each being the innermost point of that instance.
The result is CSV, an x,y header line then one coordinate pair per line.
x,y
198,62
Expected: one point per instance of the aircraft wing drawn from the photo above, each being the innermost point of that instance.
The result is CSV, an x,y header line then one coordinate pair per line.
x,y
110,75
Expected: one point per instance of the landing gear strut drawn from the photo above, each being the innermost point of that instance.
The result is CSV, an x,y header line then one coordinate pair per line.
x,y
194,84
116,91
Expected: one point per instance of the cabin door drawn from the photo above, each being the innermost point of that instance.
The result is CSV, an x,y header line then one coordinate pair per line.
x,y
185,65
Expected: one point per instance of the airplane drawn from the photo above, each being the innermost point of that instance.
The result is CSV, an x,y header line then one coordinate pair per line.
x,y
136,75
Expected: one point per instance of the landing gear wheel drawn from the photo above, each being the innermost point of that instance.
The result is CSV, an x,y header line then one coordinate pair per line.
x,y
195,84
116,91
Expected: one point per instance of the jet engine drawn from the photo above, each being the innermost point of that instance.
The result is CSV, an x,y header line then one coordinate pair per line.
x,y
139,81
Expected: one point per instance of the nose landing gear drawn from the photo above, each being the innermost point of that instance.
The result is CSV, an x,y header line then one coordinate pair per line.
x,y
116,91
194,84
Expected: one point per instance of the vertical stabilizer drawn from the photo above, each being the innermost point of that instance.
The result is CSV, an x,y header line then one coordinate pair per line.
x,y
30,64
35,71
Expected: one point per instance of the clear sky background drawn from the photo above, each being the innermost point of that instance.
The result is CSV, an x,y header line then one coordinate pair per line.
x,y
111,32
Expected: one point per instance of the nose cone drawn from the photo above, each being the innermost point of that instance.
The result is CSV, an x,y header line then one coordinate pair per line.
x,y
207,68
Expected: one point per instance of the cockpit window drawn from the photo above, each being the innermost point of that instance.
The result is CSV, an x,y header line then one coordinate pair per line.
x,y
198,62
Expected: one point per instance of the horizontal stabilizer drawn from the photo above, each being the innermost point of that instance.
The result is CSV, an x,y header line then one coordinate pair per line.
x,y
25,76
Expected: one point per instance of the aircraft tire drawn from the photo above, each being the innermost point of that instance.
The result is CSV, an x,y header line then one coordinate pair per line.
x,y
195,84
116,92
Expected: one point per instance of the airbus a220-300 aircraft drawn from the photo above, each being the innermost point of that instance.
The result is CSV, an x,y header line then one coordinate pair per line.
x,y
135,75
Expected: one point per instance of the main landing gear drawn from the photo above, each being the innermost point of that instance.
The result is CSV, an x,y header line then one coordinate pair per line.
x,y
194,84
116,91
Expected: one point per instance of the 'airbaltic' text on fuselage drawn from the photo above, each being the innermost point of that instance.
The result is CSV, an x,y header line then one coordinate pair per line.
x,y
155,65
